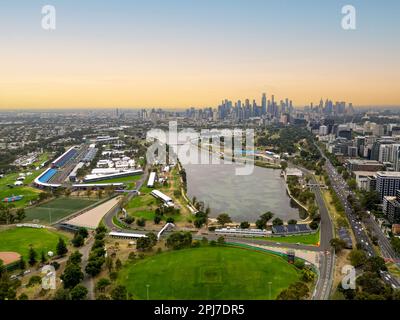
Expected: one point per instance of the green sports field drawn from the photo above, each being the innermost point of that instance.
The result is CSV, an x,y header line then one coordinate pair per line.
x,y
218,273
56,209
19,240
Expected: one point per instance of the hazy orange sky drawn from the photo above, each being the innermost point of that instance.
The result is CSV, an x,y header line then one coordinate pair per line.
x,y
196,53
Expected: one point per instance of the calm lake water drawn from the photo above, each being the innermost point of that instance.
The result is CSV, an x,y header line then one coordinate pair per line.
x,y
242,197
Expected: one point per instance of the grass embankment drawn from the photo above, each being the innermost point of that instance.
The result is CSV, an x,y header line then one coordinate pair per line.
x,y
118,223
338,216
218,273
267,165
307,239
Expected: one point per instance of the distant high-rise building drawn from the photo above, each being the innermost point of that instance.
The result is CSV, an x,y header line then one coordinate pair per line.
x,y
323,130
273,105
254,112
376,147
264,104
385,153
350,109
396,157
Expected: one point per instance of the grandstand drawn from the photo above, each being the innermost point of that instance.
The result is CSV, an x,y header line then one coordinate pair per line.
x,y
122,174
47,175
90,155
291,229
72,176
86,186
64,158
159,195
126,235
243,232
44,179
152,178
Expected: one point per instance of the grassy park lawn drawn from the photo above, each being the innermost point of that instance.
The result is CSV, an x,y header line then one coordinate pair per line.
x,y
56,209
144,205
218,273
29,193
19,240
129,181
42,158
307,239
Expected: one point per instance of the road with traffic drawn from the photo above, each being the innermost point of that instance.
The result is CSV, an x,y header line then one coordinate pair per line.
x,y
327,254
360,233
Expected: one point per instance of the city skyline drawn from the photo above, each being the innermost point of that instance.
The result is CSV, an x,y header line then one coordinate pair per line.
x,y
188,53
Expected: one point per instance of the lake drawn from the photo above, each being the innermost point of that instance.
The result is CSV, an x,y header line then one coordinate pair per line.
x,y
244,198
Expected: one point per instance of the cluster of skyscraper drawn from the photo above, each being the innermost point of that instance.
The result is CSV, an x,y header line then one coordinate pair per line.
x,y
243,110
329,108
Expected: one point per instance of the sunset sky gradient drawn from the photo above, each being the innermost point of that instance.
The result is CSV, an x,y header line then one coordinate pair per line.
x,y
182,53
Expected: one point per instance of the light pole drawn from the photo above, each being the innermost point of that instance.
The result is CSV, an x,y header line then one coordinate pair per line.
x,y
147,289
269,287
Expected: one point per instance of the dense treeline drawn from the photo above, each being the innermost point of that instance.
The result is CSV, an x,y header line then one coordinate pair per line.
x,y
283,139
97,253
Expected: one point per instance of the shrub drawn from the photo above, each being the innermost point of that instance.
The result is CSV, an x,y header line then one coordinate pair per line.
x,y
141,222
129,220
34,280
299,264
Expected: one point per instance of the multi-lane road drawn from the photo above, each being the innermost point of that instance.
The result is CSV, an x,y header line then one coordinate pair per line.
x,y
327,254
360,233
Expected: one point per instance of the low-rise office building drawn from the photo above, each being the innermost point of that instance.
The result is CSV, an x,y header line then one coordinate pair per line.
x,y
363,165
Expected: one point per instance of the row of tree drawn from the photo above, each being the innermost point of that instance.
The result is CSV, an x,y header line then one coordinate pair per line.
x,y
72,277
369,283
97,253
